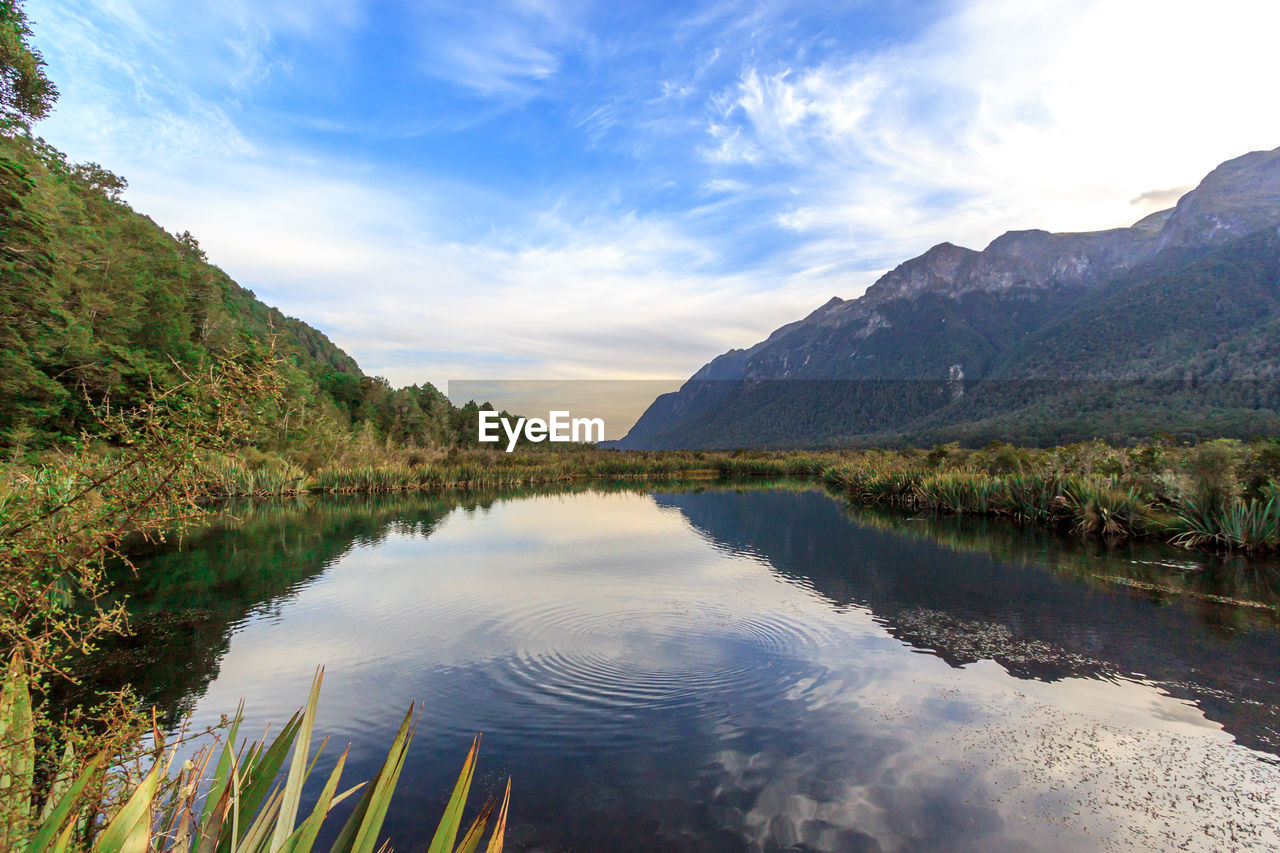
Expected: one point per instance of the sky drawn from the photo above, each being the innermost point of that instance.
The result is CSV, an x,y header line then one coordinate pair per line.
x,y
534,189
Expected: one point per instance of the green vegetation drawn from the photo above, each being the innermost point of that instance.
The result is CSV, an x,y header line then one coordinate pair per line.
x,y
390,471
26,94
69,778
237,806
1218,493
99,303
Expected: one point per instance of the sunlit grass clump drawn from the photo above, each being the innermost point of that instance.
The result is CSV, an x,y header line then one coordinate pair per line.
x,y
237,803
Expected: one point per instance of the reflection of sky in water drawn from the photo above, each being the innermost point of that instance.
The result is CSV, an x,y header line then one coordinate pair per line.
x,y
647,684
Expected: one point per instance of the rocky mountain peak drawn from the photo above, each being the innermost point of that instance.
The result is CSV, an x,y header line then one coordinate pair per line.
x,y
1032,305
1237,198
936,269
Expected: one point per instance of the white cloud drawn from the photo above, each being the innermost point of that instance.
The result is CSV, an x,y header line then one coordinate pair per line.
x,y
1067,115
1009,115
568,298
724,185
506,50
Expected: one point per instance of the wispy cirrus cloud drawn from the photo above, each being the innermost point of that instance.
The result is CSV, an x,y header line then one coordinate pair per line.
x,y
504,50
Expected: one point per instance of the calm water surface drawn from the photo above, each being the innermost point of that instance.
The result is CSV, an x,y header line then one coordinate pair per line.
x,y
740,669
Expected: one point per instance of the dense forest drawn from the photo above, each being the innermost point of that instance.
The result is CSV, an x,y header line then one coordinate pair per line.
x,y
100,304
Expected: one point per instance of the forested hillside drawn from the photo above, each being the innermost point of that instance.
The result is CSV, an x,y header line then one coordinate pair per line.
x,y
98,303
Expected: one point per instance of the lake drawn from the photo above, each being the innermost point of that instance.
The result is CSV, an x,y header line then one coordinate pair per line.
x,y
738,667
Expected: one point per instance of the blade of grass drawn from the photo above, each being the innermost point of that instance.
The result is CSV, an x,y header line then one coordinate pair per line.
x,y
304,838
122,834
345,842
63,844
382,790
183,823
57,816
17,753
500,828
298,769
254,783
221,774
447,831
62,781
256,834
471,840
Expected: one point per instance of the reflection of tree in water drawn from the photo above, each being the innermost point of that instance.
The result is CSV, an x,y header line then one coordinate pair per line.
x,y
800,769
1228,591
1038,604
187,598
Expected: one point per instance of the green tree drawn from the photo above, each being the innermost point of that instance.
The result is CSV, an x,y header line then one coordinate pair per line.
x,y
26,94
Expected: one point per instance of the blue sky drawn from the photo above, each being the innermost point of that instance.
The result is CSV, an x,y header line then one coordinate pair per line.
x,y
541,189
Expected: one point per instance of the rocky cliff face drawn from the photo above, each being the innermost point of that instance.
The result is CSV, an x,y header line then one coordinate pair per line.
x,y
955,315
1239,197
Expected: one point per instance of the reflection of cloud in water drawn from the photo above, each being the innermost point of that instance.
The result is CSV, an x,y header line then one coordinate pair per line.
x,y
1004,770
643,686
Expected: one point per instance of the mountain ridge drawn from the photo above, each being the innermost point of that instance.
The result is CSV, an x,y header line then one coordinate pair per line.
x,y
953,318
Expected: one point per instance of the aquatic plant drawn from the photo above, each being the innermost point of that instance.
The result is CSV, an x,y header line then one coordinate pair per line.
x,y
957,493
1030,498
230,477
879,481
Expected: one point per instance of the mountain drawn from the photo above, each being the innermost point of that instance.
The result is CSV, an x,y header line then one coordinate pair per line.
x,y
98,302
1169,325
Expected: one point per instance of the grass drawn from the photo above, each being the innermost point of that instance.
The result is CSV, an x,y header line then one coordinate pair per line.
x,y
229,477
1218,494
239,799
1252,525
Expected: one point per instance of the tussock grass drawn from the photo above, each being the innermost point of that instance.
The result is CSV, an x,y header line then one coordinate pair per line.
x,y
1249,525
1218,494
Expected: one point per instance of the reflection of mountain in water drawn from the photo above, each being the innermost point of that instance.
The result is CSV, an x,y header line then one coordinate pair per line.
x,y
636,724
965,605
1013,595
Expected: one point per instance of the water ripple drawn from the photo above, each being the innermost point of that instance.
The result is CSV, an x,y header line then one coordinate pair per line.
x,y
577,674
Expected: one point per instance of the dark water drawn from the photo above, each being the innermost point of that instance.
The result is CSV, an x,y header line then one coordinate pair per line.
x,y
740,669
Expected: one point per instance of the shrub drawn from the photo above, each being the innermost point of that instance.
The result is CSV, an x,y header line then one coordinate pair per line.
x,y
1212,467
